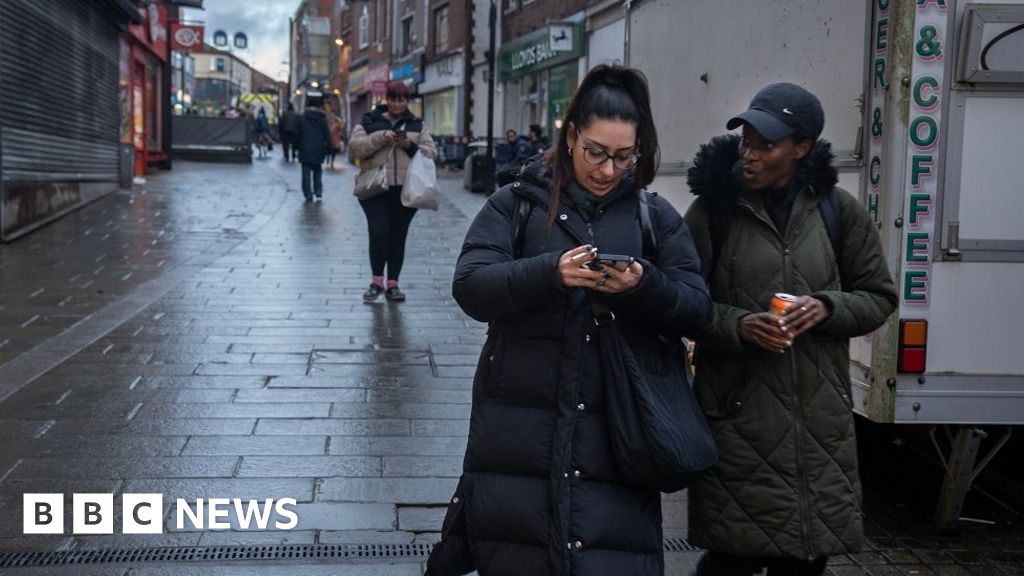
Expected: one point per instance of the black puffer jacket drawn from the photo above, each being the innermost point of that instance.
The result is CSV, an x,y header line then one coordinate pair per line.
x,y
541,492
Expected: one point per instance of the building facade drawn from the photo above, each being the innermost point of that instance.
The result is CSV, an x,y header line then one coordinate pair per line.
x,y
220,80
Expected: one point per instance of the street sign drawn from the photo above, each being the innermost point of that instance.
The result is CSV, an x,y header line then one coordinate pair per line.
x,y
186,37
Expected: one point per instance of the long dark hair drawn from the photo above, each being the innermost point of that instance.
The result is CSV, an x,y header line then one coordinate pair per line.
x,y
608,92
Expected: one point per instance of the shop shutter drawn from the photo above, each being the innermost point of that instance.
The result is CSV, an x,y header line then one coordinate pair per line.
x,y
59,98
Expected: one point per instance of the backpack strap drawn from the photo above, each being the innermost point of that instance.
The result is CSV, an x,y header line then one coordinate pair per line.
x,y
832,216
720,217
520,217
650,238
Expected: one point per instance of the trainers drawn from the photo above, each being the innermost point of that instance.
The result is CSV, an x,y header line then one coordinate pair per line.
x,y
373,292
394,294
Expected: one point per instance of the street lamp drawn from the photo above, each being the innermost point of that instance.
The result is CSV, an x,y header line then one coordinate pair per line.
x,y
339,42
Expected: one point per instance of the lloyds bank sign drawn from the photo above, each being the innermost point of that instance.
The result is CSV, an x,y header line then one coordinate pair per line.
x,y
554,44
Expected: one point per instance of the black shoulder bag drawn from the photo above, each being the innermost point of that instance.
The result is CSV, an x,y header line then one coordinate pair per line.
x,y
656,428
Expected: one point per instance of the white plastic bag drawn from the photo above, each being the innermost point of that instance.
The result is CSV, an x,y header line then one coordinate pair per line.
x,y
420,188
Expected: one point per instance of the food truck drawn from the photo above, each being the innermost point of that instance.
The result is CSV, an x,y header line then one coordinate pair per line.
x,y
924,106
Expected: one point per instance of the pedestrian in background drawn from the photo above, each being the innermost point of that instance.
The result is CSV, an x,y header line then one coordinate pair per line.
x,y
538,143
541,491
262,133
389,135
313,139
335,127
289,128
776,387
519,149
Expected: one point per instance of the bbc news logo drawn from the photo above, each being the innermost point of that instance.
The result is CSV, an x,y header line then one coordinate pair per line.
x,y
143,514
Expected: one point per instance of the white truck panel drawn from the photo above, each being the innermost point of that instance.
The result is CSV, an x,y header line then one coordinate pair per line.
x,y
992,204
742,46
977,320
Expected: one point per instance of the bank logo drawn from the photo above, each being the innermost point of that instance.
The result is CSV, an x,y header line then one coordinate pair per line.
x,y
144,514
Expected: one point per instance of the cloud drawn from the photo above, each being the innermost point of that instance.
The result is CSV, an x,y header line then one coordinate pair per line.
x,y
265,22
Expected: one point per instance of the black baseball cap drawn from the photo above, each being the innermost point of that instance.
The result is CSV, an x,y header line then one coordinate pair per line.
x,y
783,109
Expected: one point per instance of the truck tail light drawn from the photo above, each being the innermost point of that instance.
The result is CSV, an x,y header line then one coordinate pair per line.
x,y
913,346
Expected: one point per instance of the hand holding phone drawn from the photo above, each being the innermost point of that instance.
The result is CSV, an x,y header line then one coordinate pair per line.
x,y
617,261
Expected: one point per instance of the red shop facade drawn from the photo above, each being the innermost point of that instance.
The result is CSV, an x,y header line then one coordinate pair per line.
x,y
143,96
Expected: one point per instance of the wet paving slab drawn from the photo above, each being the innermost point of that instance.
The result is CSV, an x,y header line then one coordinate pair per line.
x,y
203,336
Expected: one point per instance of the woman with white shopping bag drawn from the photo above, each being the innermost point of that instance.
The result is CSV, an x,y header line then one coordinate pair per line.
x,y
387,141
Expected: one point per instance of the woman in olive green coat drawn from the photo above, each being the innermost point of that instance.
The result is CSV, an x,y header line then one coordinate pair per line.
x,y
786,493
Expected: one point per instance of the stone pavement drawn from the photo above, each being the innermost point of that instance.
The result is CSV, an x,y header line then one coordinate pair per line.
x,y
204,336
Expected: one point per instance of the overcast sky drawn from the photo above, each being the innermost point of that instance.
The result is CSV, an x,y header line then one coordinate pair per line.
x,y
265,22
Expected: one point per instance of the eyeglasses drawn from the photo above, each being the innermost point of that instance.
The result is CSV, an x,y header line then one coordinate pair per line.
x,y
597,157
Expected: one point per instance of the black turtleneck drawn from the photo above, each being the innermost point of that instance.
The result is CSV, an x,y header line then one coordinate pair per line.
x,y
778,203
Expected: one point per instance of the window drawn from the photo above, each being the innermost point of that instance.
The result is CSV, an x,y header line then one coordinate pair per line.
x,y
364,28
408,38
510,5
219,65
441,30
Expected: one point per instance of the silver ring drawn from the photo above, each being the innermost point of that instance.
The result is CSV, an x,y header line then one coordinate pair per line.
x,y
804,308
599,283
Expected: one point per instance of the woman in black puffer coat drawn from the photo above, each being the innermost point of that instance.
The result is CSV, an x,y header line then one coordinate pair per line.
x,y
541,492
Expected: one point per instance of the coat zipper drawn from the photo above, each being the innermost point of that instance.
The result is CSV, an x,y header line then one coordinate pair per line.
x,y
798,413
798,422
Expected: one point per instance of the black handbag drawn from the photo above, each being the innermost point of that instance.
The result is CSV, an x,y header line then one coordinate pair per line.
x,y
657,430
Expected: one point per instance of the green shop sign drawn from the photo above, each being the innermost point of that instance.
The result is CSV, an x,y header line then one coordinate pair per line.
x,y
557,43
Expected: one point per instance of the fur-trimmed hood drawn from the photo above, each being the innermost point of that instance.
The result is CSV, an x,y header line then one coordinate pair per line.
x,y
712,173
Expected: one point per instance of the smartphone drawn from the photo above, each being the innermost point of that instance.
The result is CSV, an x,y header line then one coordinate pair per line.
x,y
399,134
617,261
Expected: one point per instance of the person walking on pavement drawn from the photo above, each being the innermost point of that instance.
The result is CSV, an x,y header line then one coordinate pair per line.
x,y
541,491
389,135
262,133
289,127
313,139
769,218
335,127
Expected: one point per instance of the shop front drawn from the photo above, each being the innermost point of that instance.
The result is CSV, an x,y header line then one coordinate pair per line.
x,y
409,71
540,71
147,58
358,95
442,95
58,115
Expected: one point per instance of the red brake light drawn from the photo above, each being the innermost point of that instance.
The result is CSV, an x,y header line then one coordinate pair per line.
x,y
913,346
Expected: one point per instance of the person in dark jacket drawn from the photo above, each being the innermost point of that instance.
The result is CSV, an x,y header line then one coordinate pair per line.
x,y
541,492
262,133
538,143
519,150
389,136
314,139
776,389
289,127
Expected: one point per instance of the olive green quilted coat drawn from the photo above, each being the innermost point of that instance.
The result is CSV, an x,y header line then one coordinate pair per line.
x,y
787,482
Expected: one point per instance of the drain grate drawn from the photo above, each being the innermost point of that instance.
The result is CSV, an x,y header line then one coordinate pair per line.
x,y
679,545
217,553
363,552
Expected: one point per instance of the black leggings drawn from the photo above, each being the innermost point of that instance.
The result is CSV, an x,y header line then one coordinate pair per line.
x,y
388,222
718,564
